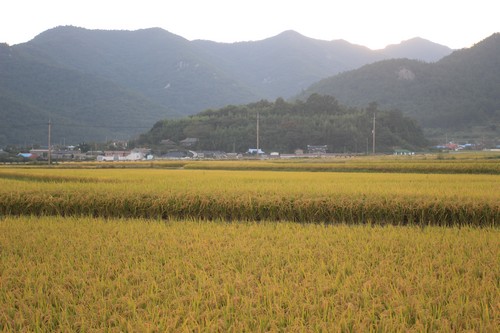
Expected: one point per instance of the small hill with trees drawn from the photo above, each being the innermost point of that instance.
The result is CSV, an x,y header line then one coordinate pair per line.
x,y
287,126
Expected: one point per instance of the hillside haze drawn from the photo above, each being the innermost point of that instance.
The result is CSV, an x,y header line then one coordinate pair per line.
x,y
98,84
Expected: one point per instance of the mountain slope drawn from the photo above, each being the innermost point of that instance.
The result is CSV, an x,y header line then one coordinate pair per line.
x,y
160,65
459,91
188,77
286,63
133,78
81,106
290,62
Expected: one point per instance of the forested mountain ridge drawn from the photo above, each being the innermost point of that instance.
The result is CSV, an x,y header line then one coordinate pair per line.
x,y
81,106
149,60
286,126
457,92
162,66
134,78
282,65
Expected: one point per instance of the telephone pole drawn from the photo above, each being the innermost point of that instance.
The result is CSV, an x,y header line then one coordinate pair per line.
x,y
257,133
49,153
373,132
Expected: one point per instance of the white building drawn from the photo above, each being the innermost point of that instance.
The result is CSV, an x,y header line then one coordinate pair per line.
x,y
119,155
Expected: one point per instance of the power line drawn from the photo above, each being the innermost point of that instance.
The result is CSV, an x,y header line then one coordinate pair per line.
x,y
24,126
104,126
42,125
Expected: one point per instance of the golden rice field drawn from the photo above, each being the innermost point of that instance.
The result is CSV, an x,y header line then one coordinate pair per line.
x,y
321,197
261,246
467,163
76,274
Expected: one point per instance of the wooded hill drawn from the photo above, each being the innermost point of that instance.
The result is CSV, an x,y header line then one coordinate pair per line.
x,y
285,126
457,93
96,84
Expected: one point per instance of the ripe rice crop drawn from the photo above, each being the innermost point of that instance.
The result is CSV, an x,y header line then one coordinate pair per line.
x,y
392,165
466,163
84,274
321,197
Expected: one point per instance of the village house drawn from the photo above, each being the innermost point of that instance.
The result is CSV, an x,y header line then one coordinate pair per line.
x,y
319,150
67,155
168,143
43,153
122,155
176,155
189,142
28,156
255,151
210,154
404,152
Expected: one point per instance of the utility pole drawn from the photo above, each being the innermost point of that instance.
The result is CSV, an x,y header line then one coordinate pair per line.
x,y
49,154
257,133
373,132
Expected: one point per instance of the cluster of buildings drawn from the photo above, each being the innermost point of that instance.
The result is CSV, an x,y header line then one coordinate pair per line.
x,y
71,153
185,149
452,146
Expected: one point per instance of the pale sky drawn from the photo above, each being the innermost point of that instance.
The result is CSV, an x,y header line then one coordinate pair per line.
x,y
375,24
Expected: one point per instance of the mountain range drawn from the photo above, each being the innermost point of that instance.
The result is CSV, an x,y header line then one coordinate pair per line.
x,y
458,92
98,84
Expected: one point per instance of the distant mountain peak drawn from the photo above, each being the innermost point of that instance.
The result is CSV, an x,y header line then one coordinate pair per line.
x,y
70,31
289,35
417,48
416,41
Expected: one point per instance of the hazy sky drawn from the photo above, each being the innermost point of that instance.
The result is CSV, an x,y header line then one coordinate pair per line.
x,y
375,24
